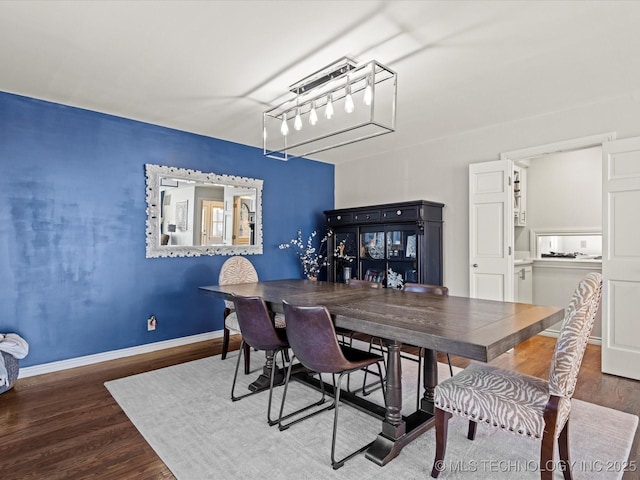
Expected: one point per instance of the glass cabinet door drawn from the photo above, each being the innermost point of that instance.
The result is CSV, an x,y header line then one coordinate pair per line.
x,y
402,244
372,254
345,254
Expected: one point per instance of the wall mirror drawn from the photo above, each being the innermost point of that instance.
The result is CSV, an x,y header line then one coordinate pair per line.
x,y
191,213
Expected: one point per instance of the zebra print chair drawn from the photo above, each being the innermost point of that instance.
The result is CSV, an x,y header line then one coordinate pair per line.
x,y
524,405
237,270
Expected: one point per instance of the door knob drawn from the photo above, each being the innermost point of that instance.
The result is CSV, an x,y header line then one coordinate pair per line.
x,y
475,265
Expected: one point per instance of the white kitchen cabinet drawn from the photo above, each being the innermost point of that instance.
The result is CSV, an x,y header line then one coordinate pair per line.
x,y
523,284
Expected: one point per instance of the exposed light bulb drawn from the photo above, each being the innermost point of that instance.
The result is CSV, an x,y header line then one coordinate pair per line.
x,y
297,122
284,128
349,107
368,93
313,116
328,111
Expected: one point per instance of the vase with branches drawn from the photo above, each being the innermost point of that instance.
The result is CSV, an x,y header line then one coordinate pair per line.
x,y
311,253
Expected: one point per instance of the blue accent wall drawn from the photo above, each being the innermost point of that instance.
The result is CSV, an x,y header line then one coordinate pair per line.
x,y
75,280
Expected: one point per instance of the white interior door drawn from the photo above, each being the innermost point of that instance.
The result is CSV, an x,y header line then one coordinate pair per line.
x,y
491,230
621,258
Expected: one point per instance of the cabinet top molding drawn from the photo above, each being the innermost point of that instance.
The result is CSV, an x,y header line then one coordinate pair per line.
x,y
413,211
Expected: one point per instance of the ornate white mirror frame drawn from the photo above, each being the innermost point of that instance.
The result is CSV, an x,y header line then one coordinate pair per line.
x,y
154,174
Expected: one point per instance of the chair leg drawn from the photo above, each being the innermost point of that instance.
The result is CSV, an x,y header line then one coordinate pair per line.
x,y
336,464
281,417
271,382
471,434
225,342
442,426
235,375
247,358
243,351
548,438
563,450
449,362
546,457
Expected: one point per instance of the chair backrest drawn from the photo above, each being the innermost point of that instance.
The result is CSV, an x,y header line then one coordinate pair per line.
x,y
364,283
313,339
236,270
574,334
255,324
426,288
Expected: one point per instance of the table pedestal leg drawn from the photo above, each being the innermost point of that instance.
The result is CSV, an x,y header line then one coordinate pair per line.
x,y
387,445
430,380
262,382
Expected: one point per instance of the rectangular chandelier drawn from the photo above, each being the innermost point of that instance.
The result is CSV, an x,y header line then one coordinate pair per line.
x,y
341,104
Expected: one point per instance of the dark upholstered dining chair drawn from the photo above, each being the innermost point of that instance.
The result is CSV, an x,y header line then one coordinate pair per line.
x,y
375,343
236,270
313,340
519,403
434,290
259,332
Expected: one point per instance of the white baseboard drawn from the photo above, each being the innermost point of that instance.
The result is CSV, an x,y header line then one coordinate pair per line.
x,y
114,354
152,347
554,334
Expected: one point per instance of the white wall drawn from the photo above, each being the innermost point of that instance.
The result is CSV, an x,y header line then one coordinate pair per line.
x,y
438,170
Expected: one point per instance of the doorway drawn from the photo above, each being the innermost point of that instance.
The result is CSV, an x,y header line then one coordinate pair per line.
x,y
212,223
561,240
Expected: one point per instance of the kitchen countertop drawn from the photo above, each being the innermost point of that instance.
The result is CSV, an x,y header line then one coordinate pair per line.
x,y
529,261
523,261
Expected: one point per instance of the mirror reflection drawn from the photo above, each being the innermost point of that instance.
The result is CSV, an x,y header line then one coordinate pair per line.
x,y
195,213
202,214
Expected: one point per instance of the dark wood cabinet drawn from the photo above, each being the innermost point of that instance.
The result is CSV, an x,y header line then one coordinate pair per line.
x,y
403,238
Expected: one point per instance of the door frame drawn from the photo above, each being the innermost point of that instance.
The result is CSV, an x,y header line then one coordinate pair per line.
x,y
559,147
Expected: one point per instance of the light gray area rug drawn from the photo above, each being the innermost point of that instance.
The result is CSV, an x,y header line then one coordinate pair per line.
x,y
186,415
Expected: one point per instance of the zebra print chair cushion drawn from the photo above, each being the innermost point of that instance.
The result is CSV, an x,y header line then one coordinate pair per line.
x,y
516,402
231,322
500,398
237,270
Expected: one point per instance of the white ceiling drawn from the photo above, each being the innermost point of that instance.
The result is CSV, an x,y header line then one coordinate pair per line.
x,y
213,67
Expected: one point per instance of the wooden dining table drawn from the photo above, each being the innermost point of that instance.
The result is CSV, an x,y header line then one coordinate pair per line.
x,y
472,328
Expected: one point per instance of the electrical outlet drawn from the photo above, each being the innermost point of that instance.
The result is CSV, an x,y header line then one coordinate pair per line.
x,y
583,244
151,323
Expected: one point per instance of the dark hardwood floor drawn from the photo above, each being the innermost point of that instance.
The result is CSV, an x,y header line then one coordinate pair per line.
x,y
66,425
